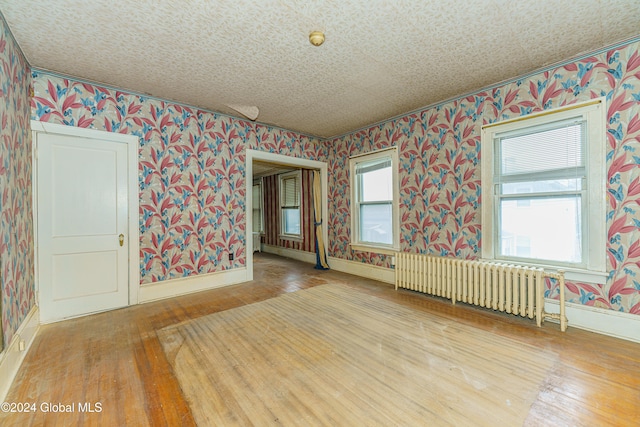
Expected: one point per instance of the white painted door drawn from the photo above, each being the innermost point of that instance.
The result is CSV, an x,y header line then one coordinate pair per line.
x,y
82,225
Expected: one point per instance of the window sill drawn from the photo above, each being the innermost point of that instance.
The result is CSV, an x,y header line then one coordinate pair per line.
x,y
372,248
290,237
571,274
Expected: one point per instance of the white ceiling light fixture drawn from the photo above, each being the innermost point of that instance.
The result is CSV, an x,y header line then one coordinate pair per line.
x,y
249,111
316,38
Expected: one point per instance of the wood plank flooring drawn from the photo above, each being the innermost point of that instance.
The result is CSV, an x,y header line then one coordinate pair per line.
x,y
116,358
333,355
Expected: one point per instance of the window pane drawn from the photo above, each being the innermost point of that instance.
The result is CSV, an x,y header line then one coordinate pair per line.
x,y
257,211
376,224
256,195
549,186
291,220
257,221
376,185
545,229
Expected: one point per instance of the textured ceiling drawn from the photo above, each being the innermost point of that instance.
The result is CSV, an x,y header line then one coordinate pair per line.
x,y
380,58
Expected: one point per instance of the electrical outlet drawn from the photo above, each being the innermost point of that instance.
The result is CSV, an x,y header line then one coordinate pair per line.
x,y
230,256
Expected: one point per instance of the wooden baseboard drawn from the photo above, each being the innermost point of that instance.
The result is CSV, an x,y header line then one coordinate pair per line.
x,y
11,358
607,322
202,282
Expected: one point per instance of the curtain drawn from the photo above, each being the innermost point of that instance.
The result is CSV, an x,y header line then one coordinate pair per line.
x,y
321,255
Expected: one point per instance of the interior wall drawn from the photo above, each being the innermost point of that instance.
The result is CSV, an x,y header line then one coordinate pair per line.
x,y
191,170
192,180
439,150
16,215
272,214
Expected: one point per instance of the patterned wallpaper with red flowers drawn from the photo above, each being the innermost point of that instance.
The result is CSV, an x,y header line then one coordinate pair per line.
x,y
191,170
16,214
439,151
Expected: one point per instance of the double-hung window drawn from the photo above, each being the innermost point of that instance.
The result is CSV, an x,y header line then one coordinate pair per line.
x,y
290,207
374,196
543,190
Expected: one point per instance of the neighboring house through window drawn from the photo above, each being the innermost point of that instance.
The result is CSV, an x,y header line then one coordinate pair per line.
x,y
374,196
543,190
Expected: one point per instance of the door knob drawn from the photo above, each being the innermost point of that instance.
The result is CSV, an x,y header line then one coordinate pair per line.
x,y
121,238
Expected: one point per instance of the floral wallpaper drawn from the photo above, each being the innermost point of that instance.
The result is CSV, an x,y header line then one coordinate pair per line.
x,y
439,152
16,214
191,170
192,179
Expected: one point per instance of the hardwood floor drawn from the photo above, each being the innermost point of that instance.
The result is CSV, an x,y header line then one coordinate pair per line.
x,y
113,363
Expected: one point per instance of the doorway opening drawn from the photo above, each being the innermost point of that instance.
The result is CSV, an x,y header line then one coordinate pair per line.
x,y
259,163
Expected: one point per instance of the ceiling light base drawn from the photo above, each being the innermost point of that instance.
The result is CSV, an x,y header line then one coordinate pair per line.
x,y
316,38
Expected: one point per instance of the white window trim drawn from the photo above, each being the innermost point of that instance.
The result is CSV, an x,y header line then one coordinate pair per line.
x,y
356,244
595,238
283,235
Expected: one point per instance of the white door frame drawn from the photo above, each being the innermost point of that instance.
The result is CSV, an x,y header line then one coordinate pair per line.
x,y
281,159
132,184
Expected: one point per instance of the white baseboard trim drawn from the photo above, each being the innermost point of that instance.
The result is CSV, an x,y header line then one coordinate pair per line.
x,y
290,253
382,274
11,358
187,285
600,320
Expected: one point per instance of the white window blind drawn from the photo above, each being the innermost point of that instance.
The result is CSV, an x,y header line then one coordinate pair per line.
x,y
554,151
290,192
